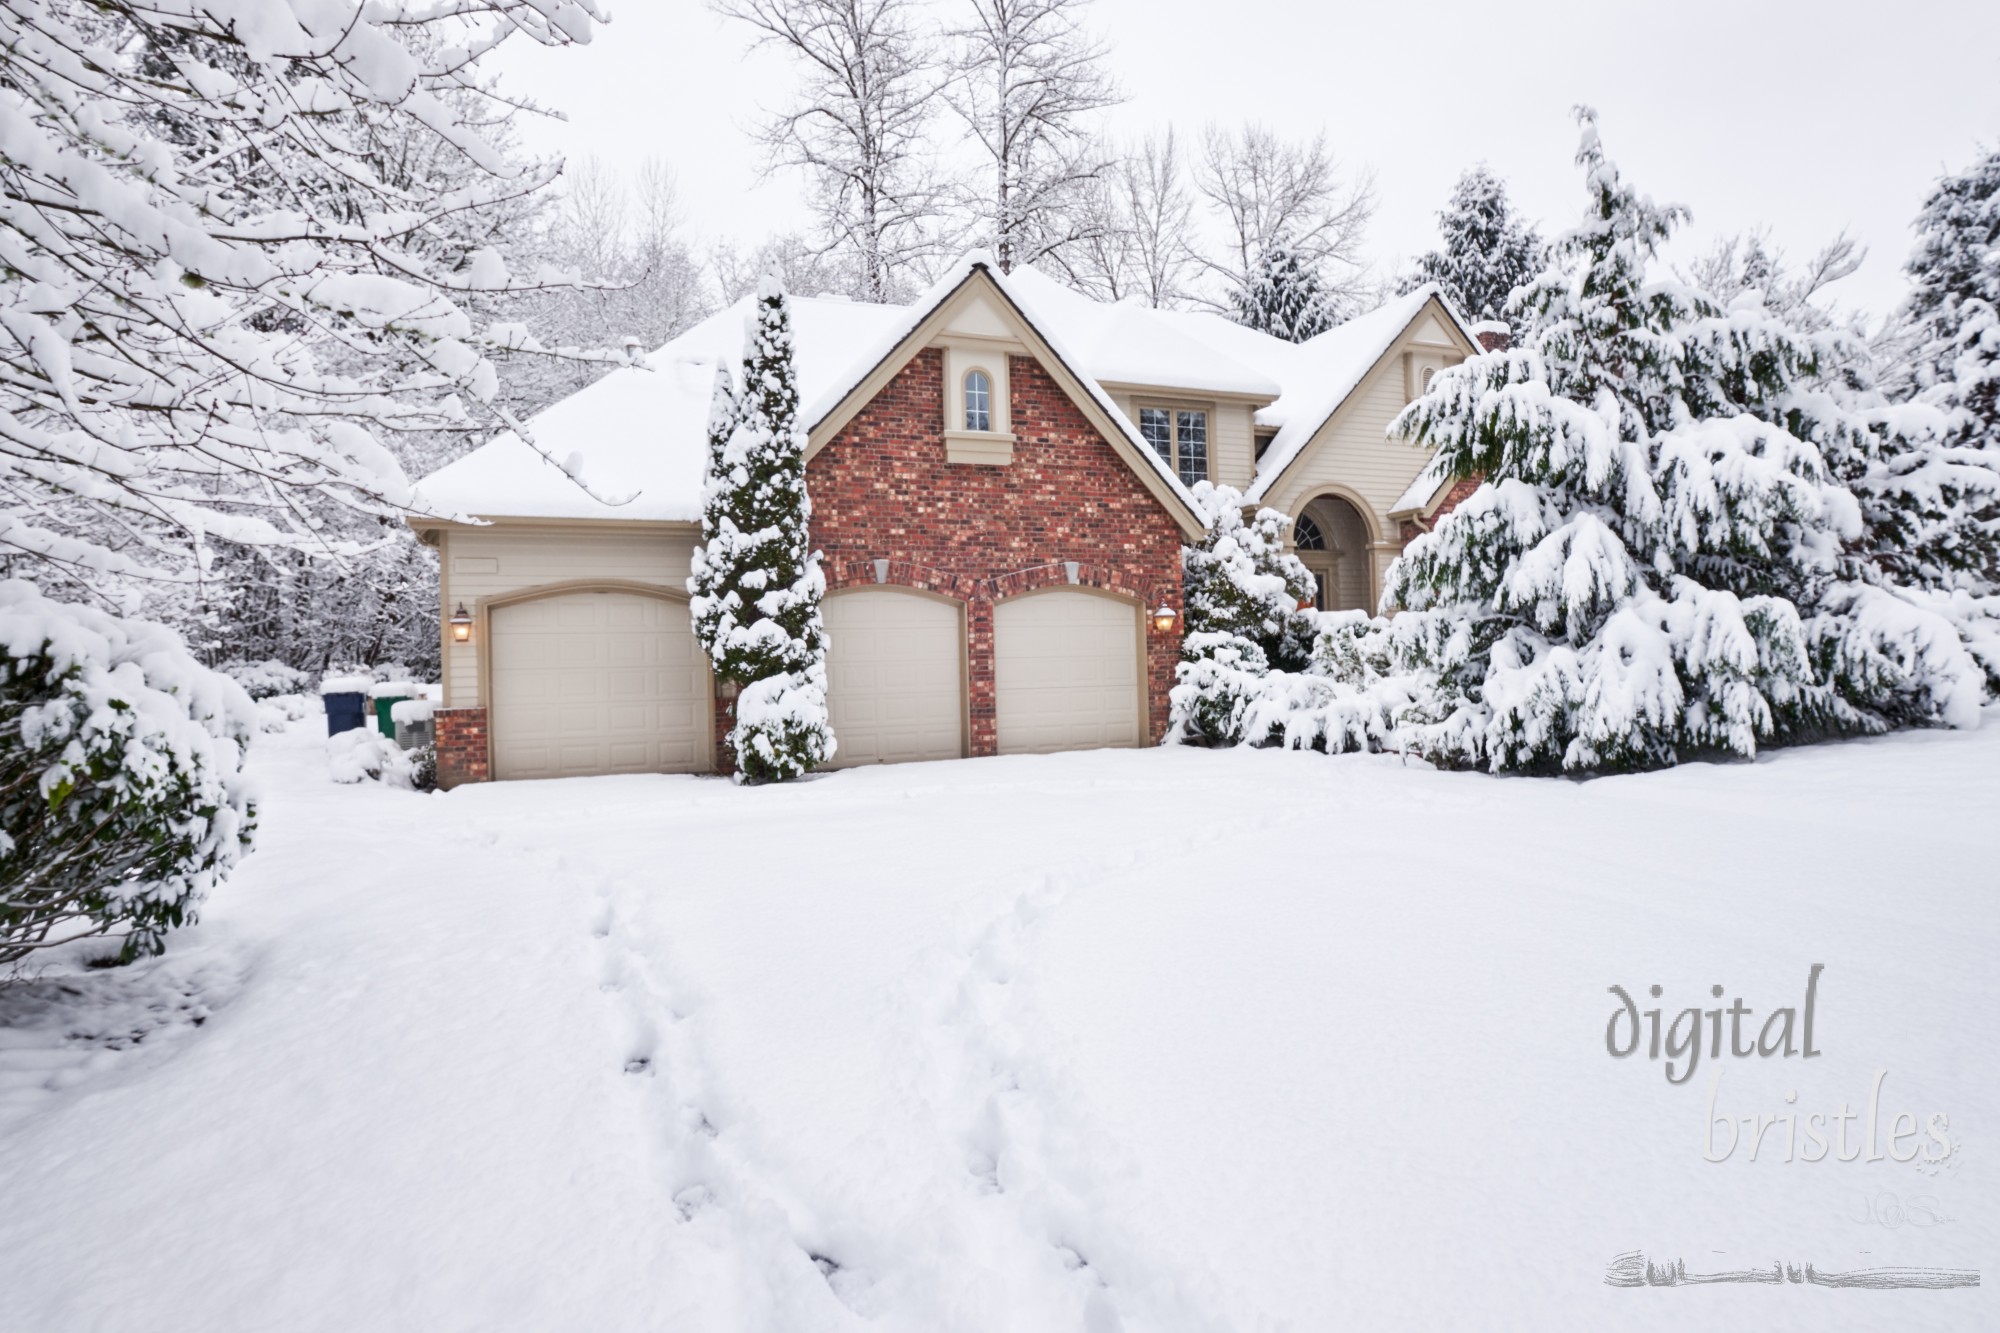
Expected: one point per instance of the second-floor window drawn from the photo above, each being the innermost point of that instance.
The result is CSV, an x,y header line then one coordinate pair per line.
x,y
978,401
1180,437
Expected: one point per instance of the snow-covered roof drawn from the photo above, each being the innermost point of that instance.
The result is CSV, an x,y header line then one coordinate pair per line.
x,y
639,434
1125,343
643,431
1321,373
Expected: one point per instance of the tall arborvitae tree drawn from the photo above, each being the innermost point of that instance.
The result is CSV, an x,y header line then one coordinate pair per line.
x,y
1946,503
1655,567
1286,296
1488,251
756,584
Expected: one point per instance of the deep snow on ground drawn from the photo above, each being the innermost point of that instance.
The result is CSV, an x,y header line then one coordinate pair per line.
x,y
1148,1040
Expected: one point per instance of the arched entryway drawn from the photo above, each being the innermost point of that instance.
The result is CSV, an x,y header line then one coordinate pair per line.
x,y
1331,537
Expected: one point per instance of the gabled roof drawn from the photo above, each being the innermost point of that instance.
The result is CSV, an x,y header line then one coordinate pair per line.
x,y
831,410
1326,369
639,434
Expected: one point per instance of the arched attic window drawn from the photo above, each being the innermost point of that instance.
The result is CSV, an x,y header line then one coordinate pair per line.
x,y
1306,535
978,400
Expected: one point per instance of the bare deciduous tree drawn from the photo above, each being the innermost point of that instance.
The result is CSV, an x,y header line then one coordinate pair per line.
x,y
858,125
1138,239
1264,188
1027,78
1738,263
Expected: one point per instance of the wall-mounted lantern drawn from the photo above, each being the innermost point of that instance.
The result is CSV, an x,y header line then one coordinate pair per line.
x,y
1163,619
461,625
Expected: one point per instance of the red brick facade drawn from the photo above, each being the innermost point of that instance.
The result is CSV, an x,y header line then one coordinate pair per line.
x,y
1067,510
461,746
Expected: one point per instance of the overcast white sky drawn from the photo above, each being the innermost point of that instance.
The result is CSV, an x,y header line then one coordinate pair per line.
x,y
1806,117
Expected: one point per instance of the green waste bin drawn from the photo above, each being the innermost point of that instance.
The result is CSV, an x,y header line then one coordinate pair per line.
x,y
386,696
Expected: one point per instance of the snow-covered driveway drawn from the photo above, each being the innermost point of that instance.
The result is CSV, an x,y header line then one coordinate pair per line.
x,y
1144,1040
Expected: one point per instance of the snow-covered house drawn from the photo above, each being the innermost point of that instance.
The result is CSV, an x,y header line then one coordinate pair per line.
x,y
1000,478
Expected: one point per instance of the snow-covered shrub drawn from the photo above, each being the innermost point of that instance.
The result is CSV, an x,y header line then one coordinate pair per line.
x,y
1349,698
781,727
366,755
1660,561
423,762
1240,581
122,801
1217,679
756,584
281,710
267,679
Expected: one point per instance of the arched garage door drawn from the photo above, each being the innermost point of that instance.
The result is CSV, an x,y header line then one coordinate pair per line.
x,y
1066,672
895,676
596,682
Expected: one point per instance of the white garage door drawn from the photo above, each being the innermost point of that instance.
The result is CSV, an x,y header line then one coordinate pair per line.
x,y
596,682
894,678
1066,672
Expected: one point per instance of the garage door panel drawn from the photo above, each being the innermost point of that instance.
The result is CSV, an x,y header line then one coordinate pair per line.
x,y
895,676
1066,673
596,683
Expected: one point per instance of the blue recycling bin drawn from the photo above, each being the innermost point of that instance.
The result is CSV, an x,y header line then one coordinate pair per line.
x,y
345,711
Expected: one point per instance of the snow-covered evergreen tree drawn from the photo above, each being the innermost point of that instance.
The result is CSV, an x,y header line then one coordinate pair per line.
x,y
1942,500
1488,251
1656,566
756,585
1239,580
1286,296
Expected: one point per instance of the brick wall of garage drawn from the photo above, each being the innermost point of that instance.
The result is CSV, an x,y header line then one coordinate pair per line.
x,y
882,491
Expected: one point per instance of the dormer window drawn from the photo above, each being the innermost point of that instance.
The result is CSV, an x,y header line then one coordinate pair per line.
x,y
978,401
978,429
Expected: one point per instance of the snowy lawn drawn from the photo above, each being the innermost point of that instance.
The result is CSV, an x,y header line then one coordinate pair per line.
x,y
1147,1040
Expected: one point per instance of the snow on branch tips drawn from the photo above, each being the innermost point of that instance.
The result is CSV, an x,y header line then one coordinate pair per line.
x,y
217,295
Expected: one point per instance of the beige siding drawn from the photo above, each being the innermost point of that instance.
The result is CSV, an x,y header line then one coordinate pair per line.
x,y
481,563
1230,445
1352,453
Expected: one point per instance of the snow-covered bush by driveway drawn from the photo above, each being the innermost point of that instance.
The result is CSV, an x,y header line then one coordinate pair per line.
x,y
756,585
121,796
366,755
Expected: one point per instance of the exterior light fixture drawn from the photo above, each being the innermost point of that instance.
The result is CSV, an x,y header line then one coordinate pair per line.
x,y
461,625
1163,619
